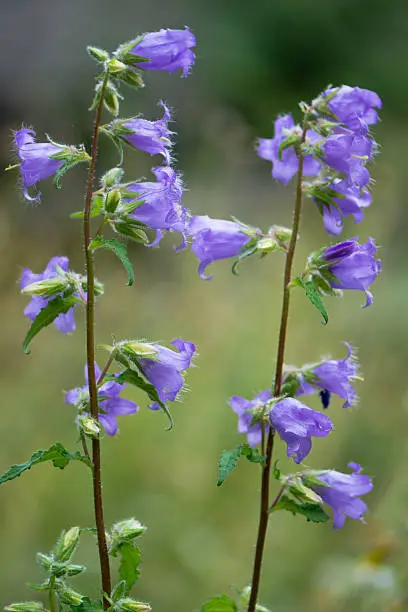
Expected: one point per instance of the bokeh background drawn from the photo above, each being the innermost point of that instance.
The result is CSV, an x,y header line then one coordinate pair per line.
x,y
254,59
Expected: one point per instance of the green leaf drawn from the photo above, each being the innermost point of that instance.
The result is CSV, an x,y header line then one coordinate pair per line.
x,y
88,605
129,231
56,453
229,459
120,250
130,558
55,307
220,603
252,454
313,295
312,512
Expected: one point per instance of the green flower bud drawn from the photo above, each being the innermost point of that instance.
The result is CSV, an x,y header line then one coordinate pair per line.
x,y
67,595
89,426
116,66
98,54
128,530
25,606
112,200
44,560
112,177
111,99
46,288
139,349
130,605
67,544
74,570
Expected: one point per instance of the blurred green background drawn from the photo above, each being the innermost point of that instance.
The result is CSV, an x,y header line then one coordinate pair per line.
x,y
253,60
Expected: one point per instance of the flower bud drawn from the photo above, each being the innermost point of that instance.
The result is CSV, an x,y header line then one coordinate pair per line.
x,y
44,560
67,544
112,200
302,492
130,605
139,349
112,177
25,606
128,530
89,426
98,54
46,288
73,569
67,595
116,66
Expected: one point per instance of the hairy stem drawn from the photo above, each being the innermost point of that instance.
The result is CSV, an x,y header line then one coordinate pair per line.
x,y
266,469
51,594
90,351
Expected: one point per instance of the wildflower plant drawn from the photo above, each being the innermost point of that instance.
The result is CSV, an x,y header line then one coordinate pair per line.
x,y
328,152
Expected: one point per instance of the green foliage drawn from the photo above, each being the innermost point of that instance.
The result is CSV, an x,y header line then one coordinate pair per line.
x,y
130,558
119,249
312,512
313,294
88,605
229,460
219,603
56,453
55,307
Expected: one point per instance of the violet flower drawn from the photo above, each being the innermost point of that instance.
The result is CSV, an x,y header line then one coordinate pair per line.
x,y
110,404
286,164
348,153
251,416
164,369
160,208
215,239
36,161
296,424
150,136
331,376
351,201
354,107
353,265
65,323
342,492
168,50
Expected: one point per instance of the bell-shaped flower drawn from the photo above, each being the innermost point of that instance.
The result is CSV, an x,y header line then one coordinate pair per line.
x,y
65,323
351,201
150,136
353,266
110,404
214,239
348,153
164,369
331,376
342,492
353,106
297,424
160,207
252,416
167,50
285,163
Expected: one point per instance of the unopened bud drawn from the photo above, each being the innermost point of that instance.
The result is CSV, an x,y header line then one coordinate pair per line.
x,y
112,200
74,570
89,426
68,596
67,544
44,560
112,177
99,54
116,66
128,530
130,605
111,99
25,606
139,349
46,288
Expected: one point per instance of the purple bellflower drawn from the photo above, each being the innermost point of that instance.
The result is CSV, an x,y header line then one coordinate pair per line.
x,y
351,201
296,424
342,492
286,164
354,107
65,323
168,50
215,239
251,416
36,161
160,207
348,153
110,404
150,136
353,265
164,369
331,376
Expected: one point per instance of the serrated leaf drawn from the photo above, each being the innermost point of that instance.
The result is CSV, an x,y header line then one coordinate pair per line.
x,y
313,295
48,314
119,249
220,603
56,453
228,461
312,512
252,454
130,558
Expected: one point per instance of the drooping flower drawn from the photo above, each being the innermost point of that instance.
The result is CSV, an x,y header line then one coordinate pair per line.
x,y
331,376
353,106
215,239
353,265
110,404
150,136
296,424
168,50
350,201
286,164
251,416
36,161
65,323
164,369
342,492
160,208
348,153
